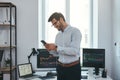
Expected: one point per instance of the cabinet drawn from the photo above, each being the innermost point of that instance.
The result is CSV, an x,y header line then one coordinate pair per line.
x,y
8,39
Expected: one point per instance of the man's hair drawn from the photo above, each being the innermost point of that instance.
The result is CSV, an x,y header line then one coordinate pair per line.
x,y
57,16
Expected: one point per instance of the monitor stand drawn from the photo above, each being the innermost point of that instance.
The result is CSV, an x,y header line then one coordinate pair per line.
x,y
96,71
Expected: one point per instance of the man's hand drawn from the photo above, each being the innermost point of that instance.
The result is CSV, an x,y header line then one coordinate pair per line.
x,y
50,46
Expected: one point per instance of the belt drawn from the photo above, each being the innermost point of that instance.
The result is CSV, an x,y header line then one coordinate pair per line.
x,y
69,64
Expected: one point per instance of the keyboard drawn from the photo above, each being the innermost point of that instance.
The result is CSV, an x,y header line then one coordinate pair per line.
x,y
30,77
46,77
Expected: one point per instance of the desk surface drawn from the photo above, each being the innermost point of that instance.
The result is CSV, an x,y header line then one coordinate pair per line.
x,y
91,76
38,79
41,74
89,73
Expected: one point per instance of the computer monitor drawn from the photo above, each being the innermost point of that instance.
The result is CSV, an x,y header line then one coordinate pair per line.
x,y
46,61
94,57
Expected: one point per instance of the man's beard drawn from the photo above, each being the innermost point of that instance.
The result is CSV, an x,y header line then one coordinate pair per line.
x,y
60,29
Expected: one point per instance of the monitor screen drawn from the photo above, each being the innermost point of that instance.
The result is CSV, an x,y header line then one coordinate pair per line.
x,y
45,60
94,58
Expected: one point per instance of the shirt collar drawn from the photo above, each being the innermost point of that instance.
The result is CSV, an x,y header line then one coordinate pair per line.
x,y
67,28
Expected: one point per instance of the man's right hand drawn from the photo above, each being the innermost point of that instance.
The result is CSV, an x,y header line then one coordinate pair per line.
x,y
50,46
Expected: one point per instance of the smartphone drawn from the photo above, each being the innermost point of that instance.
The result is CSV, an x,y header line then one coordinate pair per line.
x,y
43,42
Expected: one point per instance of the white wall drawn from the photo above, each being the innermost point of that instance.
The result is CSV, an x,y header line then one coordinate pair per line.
x,y
109,31
27,27
116,39
105,30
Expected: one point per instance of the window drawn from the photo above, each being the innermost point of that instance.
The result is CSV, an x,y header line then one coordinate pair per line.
x,y
77,13
53,6
80,18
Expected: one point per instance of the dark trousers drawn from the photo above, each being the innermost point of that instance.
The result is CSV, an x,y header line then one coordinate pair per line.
x,y
69,73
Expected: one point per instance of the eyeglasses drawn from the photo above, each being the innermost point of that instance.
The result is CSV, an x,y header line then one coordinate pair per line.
x,y
54,23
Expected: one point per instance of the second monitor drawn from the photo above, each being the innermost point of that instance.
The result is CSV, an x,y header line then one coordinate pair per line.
x,y
94,57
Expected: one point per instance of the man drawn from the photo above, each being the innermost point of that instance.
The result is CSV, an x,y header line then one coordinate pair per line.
x,y
66,47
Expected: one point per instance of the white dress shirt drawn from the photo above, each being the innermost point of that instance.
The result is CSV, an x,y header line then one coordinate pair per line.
x,y
68,45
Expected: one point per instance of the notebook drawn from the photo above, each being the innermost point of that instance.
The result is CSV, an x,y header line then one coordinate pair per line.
x,y
25,71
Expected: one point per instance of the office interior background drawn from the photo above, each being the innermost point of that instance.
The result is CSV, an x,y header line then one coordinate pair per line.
x,y
104,29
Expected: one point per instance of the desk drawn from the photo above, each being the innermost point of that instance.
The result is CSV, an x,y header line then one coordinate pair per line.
x,y
98,78
92,76
89,73
40,74
39,79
